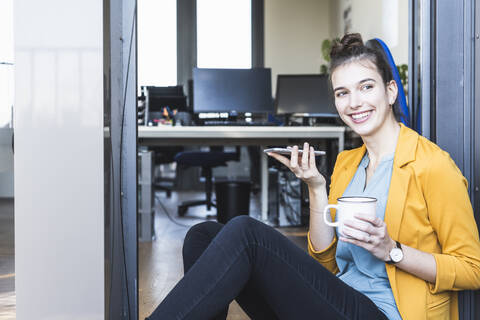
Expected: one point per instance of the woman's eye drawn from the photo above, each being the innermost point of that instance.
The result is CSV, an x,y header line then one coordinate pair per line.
x,y
367,87
340,94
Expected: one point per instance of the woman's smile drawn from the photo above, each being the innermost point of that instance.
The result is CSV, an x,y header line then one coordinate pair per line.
x,y
361,117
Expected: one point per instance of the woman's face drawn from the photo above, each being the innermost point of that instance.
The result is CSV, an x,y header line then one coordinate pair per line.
x,y
362,98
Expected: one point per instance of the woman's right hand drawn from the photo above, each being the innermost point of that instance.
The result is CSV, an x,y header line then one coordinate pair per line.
x,y
304,167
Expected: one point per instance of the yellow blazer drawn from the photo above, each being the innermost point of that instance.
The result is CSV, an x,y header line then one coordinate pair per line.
x,y
428,208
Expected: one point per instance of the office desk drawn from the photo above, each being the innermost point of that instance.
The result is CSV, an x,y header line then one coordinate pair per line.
x,y
236,136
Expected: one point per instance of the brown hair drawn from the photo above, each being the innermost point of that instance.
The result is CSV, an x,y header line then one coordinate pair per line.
x,y
351,48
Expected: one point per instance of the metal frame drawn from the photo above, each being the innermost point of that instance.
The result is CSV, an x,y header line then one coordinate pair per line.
x,y
412,60
186,40
426,64
467,307
422,66
455,99
454,80
258,33
469,95
475,162
120,159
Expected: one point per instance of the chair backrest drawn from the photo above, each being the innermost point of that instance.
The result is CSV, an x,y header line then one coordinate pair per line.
x,y
165,154
235,156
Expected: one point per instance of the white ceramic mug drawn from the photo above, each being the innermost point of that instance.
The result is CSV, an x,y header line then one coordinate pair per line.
x,y
346,208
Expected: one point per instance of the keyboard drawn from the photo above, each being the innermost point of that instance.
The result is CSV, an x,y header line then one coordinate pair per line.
x,y
238,123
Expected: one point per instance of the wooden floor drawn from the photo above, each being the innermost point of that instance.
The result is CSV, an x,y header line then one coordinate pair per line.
x,y
160,261
7,261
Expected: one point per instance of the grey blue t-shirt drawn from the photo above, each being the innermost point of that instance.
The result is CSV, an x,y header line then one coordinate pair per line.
x,y
358,267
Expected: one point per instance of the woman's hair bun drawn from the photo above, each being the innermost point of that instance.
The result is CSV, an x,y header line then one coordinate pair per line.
x,y
350,43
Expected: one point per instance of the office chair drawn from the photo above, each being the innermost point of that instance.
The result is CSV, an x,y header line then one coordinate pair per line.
x,y
207,160
164,155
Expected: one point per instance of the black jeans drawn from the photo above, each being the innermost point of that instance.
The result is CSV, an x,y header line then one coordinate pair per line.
x,y
267,274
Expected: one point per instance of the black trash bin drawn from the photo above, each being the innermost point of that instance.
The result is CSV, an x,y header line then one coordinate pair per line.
x,y
233,199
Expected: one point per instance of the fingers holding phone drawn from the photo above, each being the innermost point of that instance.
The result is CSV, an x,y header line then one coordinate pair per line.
x,y
294,161
279,156
301,162
306,156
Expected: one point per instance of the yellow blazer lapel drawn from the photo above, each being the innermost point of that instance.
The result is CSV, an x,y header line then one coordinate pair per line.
x,y
347,170
397,194
404,153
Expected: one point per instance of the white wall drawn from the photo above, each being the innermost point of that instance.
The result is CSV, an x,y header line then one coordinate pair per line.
x,y
294,31
384,19
59,200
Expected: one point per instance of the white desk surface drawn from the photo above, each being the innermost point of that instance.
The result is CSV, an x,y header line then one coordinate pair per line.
x,y
202,132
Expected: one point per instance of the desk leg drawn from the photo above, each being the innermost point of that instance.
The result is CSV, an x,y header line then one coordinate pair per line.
x,y
341,142
145,208
264,186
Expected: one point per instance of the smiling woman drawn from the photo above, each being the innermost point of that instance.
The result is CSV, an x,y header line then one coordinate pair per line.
x,y
405,172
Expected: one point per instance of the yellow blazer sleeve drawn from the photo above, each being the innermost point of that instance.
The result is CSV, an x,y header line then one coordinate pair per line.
x,y
451,215
327,256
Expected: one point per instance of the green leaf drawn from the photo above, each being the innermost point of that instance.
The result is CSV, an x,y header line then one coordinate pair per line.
x,y
326,47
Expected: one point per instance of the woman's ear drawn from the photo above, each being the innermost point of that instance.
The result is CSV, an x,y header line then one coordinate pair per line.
x,y
392,91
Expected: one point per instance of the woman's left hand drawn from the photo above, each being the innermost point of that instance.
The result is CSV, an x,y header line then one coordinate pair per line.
x,y
373,238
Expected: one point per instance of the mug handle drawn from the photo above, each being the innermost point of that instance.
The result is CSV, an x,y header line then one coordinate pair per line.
x,y
325,211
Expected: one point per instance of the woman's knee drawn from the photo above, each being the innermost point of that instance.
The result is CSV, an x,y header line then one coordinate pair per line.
x,y
200,235
242,221
202,232
244,225
197,239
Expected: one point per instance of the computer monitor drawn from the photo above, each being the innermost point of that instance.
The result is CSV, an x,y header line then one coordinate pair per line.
x,y
232,90
304,94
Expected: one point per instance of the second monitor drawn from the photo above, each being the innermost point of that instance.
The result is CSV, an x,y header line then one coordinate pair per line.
x,y
232,90
305,94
